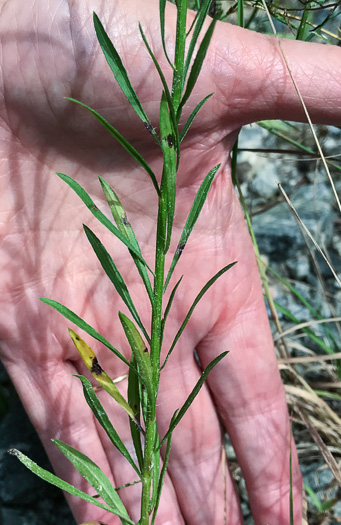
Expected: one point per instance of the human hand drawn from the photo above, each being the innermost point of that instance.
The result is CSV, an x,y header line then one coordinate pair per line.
x,y
51,52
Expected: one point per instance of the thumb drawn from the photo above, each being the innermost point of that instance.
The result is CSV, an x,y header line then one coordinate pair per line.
x,y
248,72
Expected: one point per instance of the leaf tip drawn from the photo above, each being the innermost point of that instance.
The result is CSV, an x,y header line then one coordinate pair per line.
x,y
73,335
14,452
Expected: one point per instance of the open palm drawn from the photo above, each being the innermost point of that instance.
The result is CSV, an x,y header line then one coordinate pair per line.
x,y
50,51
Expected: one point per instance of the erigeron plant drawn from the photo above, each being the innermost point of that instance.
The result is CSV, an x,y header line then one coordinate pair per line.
x,y
145,365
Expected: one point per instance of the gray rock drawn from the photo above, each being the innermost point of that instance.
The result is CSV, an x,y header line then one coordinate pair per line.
x,y
319,478
277,232
265,181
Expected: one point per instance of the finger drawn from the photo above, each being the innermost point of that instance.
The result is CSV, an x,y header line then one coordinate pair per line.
x,y
203,487
56,406
247,388
252,82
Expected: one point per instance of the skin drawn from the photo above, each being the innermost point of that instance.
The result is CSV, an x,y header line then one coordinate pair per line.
x,y
48,51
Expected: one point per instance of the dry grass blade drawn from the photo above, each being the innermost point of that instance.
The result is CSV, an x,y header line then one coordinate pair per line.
x,y
327,385
309,359
301,223
328,412
304,325
327,455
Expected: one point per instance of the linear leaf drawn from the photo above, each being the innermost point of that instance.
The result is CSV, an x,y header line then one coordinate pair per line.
x,y
310,333
63,485
93,475
134,402
118,68
114,275
89,203
162,27
104,421
126,229
140,351
169,304
169,166
121,140
192,117
304,26
180,44
202,13
197,64
163,471
191,397
195,302
312,310
74,318
193,215
175,130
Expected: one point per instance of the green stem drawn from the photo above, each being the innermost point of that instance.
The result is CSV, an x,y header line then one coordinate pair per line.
x,y
155,350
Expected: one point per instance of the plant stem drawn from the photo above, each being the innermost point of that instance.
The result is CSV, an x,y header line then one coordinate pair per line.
x,y
155,349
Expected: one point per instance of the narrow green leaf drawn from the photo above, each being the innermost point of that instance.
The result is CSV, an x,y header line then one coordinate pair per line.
x,y
125,228
74,318
329,504
176,420
279,130
128,485
304,26
192,218
114,275
63,485
329,395
169,166
89,203
313,496
104,421
241,13
121,140
192,117
134,402
195,302
169,304
140,351
93,475
194,21
118,68
310,333
312,310
197,65
175,131
180,42
162,27
202,13
163,471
